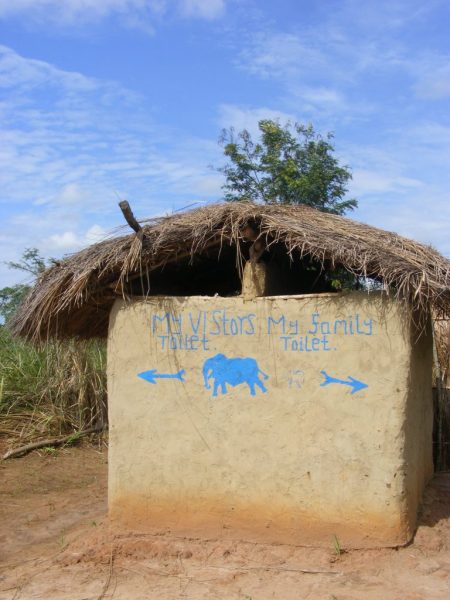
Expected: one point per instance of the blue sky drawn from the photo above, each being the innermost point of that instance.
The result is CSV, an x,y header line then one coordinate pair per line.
x,y
108,99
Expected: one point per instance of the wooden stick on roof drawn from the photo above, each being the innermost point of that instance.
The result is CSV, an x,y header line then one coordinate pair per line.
x,y
129,217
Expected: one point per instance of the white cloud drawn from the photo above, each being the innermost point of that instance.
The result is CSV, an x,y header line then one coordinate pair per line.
x,y
431,133
311,55
67,13
367,182
69,241
397,188
140,14
27,73
280,54
329,65
70,194
70,11
320,71
240,117
411,215
209,185
83,142
323,95
204,9
321,102
381,15
94,234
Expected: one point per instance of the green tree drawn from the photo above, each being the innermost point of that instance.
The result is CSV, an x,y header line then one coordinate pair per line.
x,y
291,164
11,297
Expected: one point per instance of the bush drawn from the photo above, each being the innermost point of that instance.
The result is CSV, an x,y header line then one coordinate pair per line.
x,y
55,387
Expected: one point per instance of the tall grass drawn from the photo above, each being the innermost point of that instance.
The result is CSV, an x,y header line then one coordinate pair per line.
x,y
53,388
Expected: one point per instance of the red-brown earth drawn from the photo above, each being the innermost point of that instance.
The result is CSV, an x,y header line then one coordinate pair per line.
x,y
55,543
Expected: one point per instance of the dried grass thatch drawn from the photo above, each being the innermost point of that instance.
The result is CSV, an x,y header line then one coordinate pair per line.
x,y
75,296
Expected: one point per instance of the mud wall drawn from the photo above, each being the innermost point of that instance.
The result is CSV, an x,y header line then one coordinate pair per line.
x,y
284,419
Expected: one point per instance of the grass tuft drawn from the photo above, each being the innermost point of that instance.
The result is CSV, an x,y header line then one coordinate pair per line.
x,y
51,388
337,546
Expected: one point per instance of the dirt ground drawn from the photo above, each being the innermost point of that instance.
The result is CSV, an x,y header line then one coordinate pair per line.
x,y
55,544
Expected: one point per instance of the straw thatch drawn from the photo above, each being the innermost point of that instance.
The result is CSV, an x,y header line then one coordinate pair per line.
x,y
75,296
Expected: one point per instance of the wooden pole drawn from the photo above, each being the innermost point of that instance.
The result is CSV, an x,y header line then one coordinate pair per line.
x,y
129,217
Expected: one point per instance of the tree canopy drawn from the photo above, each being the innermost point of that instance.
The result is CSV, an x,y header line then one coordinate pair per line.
x,y
12,296
290,164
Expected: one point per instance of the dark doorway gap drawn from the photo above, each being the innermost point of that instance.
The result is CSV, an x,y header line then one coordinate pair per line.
x,y
216,272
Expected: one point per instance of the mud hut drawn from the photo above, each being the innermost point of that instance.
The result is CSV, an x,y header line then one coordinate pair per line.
x,y
269,371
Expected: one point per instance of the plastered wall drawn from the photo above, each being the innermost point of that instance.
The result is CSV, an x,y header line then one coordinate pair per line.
x,y
287,419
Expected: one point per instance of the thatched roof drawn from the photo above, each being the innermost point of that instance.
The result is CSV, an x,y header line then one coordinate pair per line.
x,y
75,296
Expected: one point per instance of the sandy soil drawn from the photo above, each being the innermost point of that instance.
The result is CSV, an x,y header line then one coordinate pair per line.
x,y
55,544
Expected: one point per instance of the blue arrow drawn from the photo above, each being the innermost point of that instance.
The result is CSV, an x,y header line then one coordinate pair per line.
x,y
353,383
152,375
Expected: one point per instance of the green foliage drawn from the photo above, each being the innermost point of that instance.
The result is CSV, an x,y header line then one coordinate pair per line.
x,y
31,262
340,279
11,297
53,387
291,164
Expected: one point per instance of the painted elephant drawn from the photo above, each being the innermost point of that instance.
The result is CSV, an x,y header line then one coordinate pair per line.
x,y
232,371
